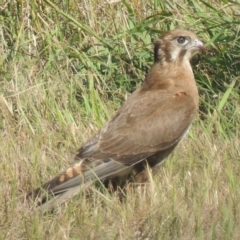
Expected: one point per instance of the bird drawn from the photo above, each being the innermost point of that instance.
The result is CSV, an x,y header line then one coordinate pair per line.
x,y
144,130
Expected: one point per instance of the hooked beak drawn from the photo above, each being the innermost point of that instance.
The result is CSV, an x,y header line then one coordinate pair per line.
x,y
197,45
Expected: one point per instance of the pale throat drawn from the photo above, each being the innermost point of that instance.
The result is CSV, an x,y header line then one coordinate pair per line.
x,y
182,60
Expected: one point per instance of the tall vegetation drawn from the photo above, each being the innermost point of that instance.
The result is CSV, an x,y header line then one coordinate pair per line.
x,y
65,66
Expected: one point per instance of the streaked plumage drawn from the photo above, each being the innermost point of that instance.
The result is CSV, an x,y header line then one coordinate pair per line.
x,y
147,128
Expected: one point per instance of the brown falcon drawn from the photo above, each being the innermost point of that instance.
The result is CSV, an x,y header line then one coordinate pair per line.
x,y
146,129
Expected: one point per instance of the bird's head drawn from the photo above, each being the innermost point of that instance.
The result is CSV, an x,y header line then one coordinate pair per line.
x,y
175,46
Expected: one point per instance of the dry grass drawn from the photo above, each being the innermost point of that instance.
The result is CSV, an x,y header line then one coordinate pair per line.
x,y
64,70
194,196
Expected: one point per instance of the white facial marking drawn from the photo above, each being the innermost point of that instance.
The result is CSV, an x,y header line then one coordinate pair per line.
x,y
161,55
175,54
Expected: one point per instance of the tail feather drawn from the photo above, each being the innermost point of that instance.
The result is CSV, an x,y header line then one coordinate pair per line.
x,y
105,170
68,183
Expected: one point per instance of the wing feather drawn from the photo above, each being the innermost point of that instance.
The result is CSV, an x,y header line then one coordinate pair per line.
x,y
146,124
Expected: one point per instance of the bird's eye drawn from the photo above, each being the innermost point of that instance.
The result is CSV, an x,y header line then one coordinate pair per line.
x,y
182,40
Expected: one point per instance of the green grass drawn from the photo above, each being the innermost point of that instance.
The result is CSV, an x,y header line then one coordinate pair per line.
x,y
65,67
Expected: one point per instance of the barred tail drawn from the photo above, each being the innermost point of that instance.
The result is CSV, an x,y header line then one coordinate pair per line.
x,y
67,184
51,187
